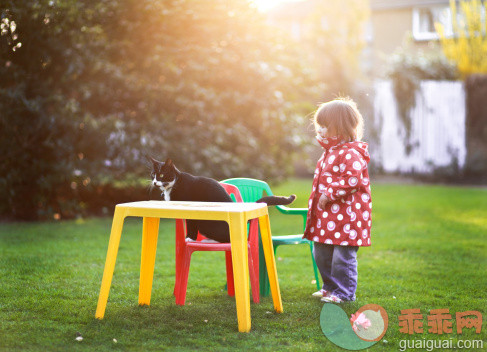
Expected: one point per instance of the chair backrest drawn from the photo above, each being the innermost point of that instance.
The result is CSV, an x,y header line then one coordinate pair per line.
x,y
233,191
237,193
250,189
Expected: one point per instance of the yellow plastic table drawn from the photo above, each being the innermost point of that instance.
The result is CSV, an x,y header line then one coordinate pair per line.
x,y
235,214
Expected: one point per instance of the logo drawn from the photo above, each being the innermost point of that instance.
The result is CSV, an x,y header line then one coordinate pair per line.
x,y
364,329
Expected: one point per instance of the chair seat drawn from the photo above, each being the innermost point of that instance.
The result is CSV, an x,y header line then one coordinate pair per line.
x,y
209,246
185,247
289,239
205,246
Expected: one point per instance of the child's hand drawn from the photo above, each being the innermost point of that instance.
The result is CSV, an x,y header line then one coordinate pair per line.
x,y
323,200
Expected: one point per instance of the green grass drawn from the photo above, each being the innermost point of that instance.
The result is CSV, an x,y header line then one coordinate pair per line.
x,y
429,246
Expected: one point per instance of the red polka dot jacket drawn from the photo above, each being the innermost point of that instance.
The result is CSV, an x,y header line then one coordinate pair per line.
x,y
341,174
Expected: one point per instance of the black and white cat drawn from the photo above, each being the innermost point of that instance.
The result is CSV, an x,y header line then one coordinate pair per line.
x,y
181,186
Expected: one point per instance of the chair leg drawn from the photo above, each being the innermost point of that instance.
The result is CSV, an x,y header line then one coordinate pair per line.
x,y
268,287
263,276
254,278
315,267
150,232
180,244
228,264
183,278
254,253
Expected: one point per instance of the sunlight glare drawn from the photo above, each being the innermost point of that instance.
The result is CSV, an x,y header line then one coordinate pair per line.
x,y
266,5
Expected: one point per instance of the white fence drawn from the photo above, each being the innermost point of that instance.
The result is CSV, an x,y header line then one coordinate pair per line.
x,y
437,128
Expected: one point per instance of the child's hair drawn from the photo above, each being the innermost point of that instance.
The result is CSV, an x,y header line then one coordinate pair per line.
x,y
342,115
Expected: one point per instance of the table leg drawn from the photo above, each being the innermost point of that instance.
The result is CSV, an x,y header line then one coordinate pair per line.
x,y
238,240
265,233
150,231
113,244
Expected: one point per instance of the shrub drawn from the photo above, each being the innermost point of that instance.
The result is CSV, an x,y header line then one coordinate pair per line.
x,y
90,87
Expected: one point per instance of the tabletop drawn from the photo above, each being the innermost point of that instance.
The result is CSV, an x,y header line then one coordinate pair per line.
x,y
231,207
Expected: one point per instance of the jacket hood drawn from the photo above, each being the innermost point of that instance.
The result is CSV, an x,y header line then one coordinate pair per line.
x,y
337,141
361,148
329,142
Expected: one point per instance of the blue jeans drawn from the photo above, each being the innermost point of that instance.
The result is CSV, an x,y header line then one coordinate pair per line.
x,y
338,269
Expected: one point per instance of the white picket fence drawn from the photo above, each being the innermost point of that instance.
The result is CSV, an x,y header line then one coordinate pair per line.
x,y
437,128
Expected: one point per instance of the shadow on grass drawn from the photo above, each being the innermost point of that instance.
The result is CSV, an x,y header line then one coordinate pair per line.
x,y
206,322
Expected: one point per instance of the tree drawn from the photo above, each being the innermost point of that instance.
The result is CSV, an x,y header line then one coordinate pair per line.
x,y
39,133
467,46
335,39
90,87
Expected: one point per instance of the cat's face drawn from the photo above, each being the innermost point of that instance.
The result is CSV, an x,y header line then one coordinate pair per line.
x,y
163,174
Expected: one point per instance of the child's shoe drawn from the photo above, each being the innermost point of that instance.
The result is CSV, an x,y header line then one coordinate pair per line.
x,y
321,293
331,299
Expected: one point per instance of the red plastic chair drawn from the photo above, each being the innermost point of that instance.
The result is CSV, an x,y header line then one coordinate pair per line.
x,y
184,250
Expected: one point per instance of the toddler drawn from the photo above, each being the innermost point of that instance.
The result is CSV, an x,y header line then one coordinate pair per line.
x,y
339,215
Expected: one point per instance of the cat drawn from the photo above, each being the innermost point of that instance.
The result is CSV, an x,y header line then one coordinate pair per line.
x,y
181,186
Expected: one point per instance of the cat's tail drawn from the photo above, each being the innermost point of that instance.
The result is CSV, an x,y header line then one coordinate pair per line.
x,y
276,200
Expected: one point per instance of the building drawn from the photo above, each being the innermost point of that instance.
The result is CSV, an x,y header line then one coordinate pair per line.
x,y
396,22
392,23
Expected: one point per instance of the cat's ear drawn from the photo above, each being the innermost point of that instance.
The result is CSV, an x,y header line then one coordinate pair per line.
x,y
171,165
154,161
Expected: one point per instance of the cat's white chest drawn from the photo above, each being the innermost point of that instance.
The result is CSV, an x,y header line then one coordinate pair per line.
x,y
167,194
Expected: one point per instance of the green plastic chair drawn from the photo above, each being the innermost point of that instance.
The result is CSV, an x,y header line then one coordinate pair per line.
x,y
252,190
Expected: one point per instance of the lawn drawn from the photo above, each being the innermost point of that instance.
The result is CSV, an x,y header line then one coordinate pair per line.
x,y
429,251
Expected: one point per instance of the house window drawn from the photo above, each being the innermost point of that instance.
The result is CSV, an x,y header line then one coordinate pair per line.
x,y
424,19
